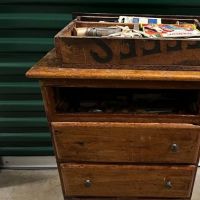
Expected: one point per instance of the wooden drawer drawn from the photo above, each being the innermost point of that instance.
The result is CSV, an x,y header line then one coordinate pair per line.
x,y
126,142
127,180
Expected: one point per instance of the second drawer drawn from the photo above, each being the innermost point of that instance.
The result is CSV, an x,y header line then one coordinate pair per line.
x,y
126,142
90,180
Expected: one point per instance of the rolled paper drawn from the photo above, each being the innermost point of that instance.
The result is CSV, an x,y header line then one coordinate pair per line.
x,y
96,31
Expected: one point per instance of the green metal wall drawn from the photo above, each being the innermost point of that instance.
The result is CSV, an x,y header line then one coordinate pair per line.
x,y
27,28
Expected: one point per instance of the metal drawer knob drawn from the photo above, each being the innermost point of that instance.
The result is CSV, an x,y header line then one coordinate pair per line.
x,y
168,184
174,147
87,183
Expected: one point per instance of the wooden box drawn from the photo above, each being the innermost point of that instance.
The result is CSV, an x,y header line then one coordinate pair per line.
x,y
124,53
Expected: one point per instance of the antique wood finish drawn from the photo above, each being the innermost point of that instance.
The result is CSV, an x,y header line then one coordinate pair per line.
x,y
141,53
49,67
156,118
48,109
126,142
144,84
129,54
123,53
124,156
51,75
49,98
127,180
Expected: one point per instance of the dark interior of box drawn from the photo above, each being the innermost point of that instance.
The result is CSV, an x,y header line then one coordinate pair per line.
x,y
126,101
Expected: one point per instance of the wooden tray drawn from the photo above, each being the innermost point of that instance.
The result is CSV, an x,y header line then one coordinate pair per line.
x,y
122,53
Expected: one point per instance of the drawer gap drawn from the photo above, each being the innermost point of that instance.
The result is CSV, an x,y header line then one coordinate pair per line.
x,y
111,101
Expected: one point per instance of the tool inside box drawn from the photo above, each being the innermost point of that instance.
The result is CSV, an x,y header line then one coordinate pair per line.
x,y
126,101
102,22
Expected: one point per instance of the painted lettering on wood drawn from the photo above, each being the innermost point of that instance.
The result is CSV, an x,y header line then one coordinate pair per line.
x,y
113,53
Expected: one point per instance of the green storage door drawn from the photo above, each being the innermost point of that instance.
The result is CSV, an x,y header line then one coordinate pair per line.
x,y
27,28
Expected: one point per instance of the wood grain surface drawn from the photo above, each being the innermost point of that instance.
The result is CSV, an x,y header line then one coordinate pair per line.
x,y
126,142
127,180
50,67
120,53
125,157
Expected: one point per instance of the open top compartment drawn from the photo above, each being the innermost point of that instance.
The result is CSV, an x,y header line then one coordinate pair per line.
x,y
103,21
99,52
110,101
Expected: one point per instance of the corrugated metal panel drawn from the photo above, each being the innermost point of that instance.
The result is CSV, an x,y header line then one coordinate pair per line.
x,y
27,28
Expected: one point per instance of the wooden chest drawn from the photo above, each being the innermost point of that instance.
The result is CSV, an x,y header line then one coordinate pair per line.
x,y
122,133
135,53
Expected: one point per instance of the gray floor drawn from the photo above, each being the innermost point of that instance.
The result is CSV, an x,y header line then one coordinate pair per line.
x,y
43,185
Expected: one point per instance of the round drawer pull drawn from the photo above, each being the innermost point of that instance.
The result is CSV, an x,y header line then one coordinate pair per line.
x,y
168,184
174,147
87,183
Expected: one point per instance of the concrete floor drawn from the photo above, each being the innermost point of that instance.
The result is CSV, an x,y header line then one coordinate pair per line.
x,y
43,185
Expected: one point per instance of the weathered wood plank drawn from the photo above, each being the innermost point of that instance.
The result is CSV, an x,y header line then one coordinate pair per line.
x,y
120,53
50,67
126,142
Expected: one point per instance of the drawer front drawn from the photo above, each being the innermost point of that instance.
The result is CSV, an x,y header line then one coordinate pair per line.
x,y
127,180
126,142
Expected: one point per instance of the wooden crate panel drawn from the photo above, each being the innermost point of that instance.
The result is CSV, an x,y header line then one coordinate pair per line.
x,y
128,53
